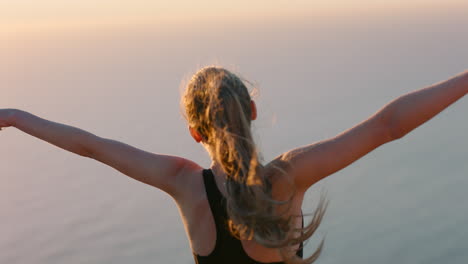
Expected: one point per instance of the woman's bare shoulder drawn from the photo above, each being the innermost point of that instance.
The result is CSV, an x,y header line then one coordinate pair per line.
x,y
190,183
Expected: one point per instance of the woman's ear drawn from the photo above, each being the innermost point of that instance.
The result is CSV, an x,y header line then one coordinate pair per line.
x,y
253,106
195,135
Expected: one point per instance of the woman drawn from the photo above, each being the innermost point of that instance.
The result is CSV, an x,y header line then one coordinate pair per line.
x,y
240,211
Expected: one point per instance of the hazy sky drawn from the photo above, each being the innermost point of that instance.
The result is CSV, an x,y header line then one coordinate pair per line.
x,y
18,15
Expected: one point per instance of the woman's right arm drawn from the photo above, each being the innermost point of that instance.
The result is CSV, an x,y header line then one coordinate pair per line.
x,y
161,171
314,162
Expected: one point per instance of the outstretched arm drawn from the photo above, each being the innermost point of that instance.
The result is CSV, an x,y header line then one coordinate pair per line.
x,y
161,171
413,109
312,163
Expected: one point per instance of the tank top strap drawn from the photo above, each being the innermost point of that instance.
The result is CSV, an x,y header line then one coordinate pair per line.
x,y
215,199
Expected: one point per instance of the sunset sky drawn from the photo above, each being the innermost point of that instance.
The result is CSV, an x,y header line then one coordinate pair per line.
x,y
20,15
117,68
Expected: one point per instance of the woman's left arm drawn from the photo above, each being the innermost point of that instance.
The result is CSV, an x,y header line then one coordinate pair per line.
x,y
413,109
396,119
161,171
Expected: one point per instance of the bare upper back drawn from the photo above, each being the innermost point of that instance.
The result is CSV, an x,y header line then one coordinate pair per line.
x,y
199,223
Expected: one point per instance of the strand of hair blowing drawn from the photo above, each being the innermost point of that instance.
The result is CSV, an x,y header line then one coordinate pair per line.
x,y
225,124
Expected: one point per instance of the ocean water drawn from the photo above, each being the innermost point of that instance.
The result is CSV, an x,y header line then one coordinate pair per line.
x,y
402,203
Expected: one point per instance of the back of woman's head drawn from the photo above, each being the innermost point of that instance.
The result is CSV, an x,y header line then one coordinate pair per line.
x,y
219,108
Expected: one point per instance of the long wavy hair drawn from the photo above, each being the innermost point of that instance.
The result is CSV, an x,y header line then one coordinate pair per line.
x,y
218,106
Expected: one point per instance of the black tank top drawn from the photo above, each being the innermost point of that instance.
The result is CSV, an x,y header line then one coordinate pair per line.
x,y
228,249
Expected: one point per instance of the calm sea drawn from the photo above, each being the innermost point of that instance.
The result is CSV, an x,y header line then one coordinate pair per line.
x,y
403,203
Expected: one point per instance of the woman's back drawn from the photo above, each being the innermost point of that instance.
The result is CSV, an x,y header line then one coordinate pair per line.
x,y
203,215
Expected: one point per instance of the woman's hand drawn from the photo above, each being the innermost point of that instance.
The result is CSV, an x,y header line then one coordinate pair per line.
x,y
6,117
